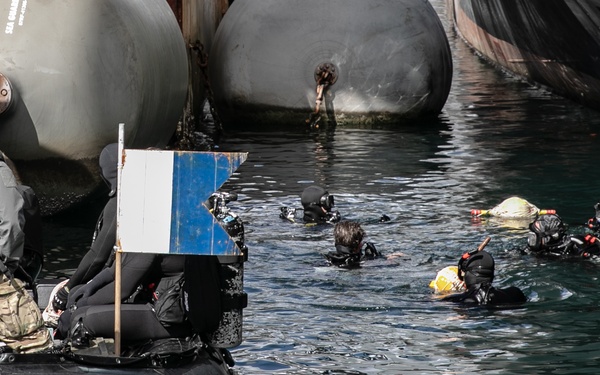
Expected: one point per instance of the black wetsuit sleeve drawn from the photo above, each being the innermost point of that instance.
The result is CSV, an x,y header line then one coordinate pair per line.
x,y
12,220
33,221
467,298
507,296
135,268
101,248
459,297
371,251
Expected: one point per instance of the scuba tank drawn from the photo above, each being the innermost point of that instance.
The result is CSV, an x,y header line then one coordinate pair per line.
x,y
228,334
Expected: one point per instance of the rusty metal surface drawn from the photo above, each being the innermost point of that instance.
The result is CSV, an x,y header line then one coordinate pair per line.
x,y
554,44
177,7
198,21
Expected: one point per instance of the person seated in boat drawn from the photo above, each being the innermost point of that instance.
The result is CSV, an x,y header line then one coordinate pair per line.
x,y
317,207
350,247
476,269
103,240
32,261
90,310
21,240
163,296
22,329
548,236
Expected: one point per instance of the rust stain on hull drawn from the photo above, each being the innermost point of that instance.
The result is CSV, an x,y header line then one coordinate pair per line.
x,y
552,44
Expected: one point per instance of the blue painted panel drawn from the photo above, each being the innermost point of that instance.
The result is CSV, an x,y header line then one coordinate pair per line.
x,y
194,230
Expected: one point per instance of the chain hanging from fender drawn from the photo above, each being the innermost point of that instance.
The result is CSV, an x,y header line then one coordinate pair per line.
x,y
202,61
325,76
185,126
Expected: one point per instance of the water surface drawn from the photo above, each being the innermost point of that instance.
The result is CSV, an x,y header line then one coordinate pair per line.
x,y
496,137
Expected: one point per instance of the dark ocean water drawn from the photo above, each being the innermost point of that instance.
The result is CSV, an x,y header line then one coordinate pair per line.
x,y
497,137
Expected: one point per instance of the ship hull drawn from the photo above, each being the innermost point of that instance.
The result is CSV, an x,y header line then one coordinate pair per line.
x,y
555,44
391,59
75,70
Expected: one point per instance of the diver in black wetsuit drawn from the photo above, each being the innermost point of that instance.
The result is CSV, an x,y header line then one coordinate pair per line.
x,y
317,206
548,237
103,240
476,269
350,250
164,296
90,311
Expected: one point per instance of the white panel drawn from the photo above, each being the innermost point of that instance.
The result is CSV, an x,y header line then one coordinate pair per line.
x,y
145,190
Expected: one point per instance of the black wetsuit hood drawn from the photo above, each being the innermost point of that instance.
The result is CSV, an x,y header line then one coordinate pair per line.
x,y
478,268
108,164
344,257
318,206
310,199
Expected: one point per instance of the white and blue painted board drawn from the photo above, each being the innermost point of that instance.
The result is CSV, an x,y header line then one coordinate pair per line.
x,y
161,196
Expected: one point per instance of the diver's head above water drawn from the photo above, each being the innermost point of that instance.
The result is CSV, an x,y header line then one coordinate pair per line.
x,y
318,205
476,268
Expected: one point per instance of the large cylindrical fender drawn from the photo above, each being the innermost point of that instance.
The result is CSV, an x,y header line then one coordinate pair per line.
x,y
391,60
79,68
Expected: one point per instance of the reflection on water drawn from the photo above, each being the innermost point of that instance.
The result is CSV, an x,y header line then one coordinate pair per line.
x,y
497,137
67,237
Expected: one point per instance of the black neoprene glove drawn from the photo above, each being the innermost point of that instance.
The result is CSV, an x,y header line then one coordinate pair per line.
x,y
370,250
60,299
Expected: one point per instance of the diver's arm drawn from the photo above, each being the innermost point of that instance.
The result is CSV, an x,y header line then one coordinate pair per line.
x,y
95,259
135,267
